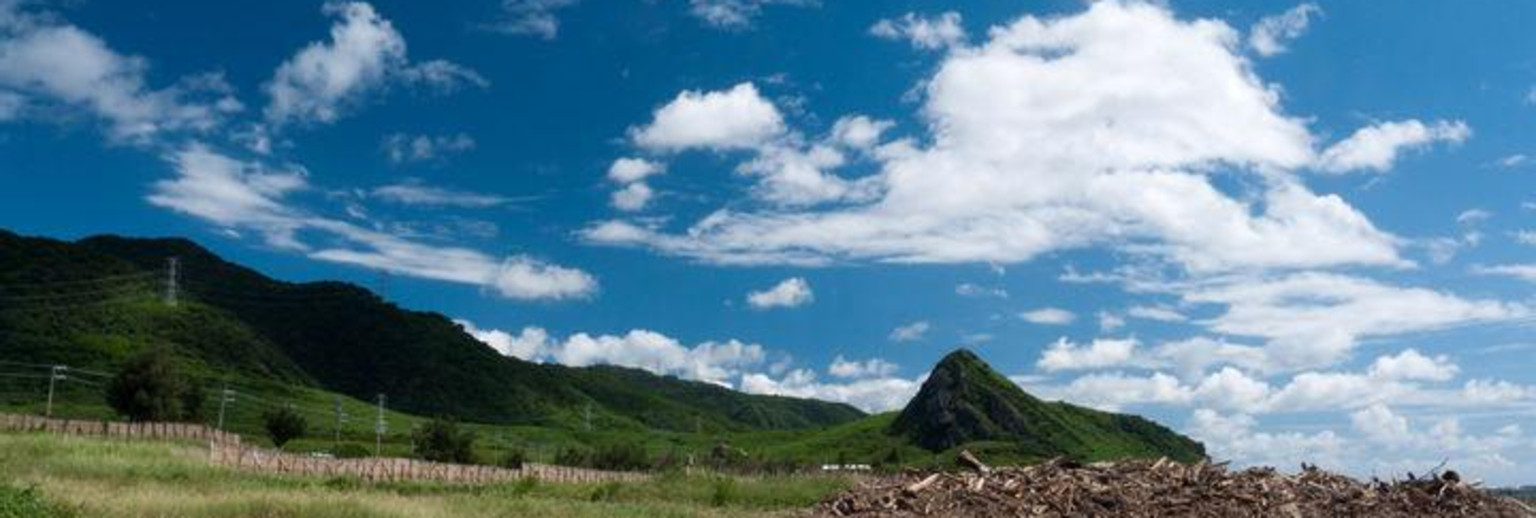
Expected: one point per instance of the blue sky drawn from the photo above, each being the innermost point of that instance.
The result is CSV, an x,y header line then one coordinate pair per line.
x,y
1292,230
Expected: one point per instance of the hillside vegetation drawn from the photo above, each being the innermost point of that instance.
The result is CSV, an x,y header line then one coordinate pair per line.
x,y
964,402
321,347
95,302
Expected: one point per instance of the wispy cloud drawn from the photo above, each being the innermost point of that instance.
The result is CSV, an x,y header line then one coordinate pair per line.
x,y
1270,35
416,193
401,148
938,32
251,195
531,17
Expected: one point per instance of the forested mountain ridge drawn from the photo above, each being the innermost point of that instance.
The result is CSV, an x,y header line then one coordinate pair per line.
x,y
95,301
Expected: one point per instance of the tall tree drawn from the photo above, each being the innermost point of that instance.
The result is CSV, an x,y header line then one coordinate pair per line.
x,y
151,387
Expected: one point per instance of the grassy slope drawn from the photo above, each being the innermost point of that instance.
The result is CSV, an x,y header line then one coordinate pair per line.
x,y
113,479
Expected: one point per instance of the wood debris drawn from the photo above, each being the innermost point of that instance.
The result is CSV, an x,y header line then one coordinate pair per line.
x,y
1146,488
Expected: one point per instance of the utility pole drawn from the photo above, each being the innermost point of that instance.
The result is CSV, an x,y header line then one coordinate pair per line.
x,y
378,430
226,396
341,417
56,374
587,413
173,271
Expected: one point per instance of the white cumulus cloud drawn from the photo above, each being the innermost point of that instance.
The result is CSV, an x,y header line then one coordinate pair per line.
x,y
792,292
871,368
738,118
869,394
47,63
1094,129
364,54
1066,355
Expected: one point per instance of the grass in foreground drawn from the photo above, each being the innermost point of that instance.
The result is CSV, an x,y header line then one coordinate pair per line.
x,y
70,477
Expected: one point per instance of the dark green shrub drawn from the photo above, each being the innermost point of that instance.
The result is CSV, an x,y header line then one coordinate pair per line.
x,y
524,486
572,456
724,492
606,492
284,425
152,388
620,456
513,459
441,440
27,503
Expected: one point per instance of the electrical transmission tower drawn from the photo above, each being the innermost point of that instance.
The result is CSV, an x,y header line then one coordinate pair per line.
x,y
172,279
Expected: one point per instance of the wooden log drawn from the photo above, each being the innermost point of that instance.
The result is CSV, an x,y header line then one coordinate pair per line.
x,y
970,460
921,485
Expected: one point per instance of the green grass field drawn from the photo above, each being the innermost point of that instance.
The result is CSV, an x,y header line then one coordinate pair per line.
x,y
857,442
81,477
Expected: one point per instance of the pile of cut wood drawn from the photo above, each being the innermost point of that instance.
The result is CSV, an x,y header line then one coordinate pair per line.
x,y
1163,488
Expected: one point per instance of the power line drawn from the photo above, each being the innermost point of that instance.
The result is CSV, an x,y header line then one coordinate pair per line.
x,y
72,306
75,295
26,376
51,365
88,372
225,300
228,393
27,364
96,384
77,282
205,290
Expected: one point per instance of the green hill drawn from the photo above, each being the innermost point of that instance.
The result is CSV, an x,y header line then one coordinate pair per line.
x,y
95,302
965,405
964,402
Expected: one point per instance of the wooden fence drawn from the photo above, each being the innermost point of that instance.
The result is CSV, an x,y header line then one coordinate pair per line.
x,y
395,469
118,430
225,449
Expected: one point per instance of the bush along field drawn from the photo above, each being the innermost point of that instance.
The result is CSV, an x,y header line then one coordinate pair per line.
x,y
43,476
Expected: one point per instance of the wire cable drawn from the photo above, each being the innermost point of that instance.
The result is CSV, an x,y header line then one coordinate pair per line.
x,y
77,282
